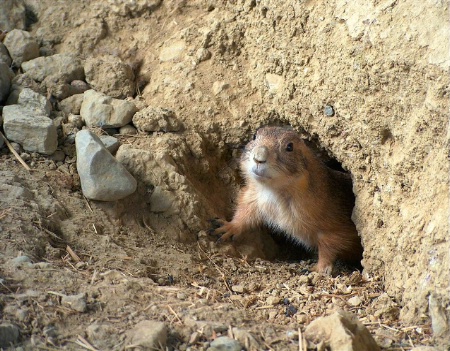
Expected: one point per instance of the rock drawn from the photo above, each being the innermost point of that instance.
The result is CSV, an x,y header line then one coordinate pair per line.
x,y
72,104
102,176
238,289
133,8
80,86
21,45
439,322
61,67
103,336
424,348
340,331
2,141
75,302
354,301
12,14
34,132
111,143
273,300
35,102
9,334
161,200
4,55
127,130
6,75
148,335
329,111
99,110
224,343
156,119
110,75
21,261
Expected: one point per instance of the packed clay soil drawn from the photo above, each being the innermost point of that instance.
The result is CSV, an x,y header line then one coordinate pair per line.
x,y
132,269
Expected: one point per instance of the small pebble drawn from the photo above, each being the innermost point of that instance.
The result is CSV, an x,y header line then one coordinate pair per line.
x,y
9,334
224,343
273,300
329,111
127,130
354,301
75,302
238,289
25,156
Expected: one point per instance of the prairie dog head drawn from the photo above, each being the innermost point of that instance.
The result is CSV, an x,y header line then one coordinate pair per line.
x,y
275,157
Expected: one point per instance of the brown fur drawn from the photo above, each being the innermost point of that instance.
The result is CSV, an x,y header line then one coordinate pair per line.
x,y
294,191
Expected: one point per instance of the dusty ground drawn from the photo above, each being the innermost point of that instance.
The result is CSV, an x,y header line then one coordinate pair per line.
x,y
134,265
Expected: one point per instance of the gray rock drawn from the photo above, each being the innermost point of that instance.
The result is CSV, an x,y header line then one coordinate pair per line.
x,y
161,200
34,132
2,142
156,119
224,343
75,302
80,86
340,331
439,322
148,335
35,102
71,104
102,176
6,75
22,46
21,261
12,14
61,67
111,143
128,130
9,334
4,55
99,110
110,75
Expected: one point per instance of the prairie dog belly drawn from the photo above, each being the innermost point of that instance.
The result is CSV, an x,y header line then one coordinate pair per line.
x,y
278,213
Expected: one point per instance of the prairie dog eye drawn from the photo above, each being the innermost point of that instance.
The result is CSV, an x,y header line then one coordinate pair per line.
x,y
254,136
290,147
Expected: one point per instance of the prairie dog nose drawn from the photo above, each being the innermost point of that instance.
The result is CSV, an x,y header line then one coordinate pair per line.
x,y
260,154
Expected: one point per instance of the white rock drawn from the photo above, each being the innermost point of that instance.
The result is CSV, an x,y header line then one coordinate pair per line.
x,y
62,67
34,101
148,335
340,331
102,177
21,46
99,110
36,133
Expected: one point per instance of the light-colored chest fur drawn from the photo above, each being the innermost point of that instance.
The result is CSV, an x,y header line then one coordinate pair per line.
x,y
284,214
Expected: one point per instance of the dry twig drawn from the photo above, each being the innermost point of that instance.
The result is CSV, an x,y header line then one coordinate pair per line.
x,y
20,159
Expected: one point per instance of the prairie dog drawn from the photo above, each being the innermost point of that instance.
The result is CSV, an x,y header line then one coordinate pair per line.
x,y
289,188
